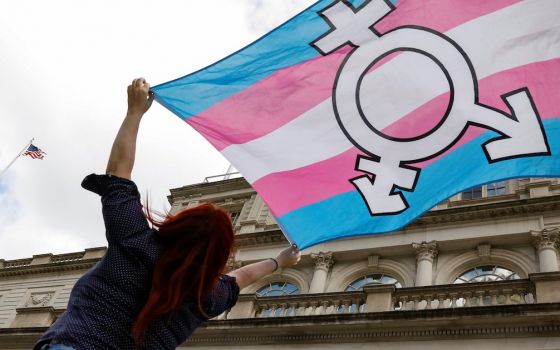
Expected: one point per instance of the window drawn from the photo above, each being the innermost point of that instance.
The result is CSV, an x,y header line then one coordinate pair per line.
x,y
487,273
472,193
488,190
277,289
496,188
371,280
234,215
368,280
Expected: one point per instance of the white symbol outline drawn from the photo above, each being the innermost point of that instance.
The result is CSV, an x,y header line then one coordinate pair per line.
x,y
381,194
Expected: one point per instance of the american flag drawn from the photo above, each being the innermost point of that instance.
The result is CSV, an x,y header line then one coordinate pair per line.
x,y
34,152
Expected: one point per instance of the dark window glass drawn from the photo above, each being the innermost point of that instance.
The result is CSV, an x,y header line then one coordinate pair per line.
x,y
496,188
472,193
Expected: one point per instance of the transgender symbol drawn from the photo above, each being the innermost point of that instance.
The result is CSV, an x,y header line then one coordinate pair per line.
x,y
521,130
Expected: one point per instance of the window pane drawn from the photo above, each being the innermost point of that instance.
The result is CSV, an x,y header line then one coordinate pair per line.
x,y
370,280
486,273
277,289
496,188
475,192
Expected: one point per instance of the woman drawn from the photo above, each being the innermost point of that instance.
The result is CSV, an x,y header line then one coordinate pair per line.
x,y
154,287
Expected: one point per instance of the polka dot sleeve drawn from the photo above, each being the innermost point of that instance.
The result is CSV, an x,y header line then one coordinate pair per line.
x,y
121,207
223,297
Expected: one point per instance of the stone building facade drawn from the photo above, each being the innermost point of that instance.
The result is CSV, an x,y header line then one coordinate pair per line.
x,y
481,270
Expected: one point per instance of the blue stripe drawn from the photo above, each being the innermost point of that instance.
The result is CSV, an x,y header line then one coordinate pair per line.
x,y
283,47
346,215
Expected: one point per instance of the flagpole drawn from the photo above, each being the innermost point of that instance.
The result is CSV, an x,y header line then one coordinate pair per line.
x,y
16,158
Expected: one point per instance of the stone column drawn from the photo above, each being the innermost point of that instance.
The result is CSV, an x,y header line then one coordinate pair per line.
x,y
323,263
545,242
425,254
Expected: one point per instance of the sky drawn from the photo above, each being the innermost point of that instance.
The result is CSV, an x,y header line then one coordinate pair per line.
x,y
64,69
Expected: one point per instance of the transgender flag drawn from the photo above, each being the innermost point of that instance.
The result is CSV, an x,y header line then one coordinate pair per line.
x,y
355,117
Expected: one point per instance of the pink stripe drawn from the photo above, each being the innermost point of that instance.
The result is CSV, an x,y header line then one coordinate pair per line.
x,y
286,94
328,178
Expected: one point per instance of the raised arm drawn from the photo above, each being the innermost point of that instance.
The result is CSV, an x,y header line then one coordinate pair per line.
x,y
121,160
252,273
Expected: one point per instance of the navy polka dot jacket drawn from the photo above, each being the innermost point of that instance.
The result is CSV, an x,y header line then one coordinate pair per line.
x,y
106,300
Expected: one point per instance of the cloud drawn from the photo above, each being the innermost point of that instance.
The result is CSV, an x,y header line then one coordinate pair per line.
x,y
263,15
65,66
8,202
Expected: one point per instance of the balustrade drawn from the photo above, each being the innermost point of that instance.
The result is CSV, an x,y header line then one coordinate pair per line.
x,y
17,263
371,299
310,304
465,295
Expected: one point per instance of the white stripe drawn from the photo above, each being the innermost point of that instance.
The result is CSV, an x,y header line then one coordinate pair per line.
x,y
520,34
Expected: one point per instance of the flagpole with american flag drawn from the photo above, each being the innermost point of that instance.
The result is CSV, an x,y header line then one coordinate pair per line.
x,y
29,150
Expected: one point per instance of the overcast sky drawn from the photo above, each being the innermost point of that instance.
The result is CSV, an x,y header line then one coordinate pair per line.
x,y
64,68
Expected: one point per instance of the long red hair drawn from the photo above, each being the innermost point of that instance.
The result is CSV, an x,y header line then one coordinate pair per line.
x,y
196,245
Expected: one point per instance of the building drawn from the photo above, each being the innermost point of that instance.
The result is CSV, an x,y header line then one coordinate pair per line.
x,y
481,270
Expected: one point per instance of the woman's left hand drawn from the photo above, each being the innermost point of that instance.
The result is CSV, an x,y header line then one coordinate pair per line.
x,y
288,257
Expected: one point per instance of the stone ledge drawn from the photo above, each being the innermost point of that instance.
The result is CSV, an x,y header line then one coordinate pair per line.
x,y
49,267
476,322
489,210
259,238
545,276
34,317
511,321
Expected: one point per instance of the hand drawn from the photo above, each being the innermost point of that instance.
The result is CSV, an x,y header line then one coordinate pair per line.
x,y
288,257
139,97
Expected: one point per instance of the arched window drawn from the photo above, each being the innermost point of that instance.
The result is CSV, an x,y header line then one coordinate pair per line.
x,y
368,280
487,273
277,289
371,280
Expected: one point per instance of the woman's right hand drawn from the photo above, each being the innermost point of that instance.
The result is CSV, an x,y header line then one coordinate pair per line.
x,y
140,97
288,257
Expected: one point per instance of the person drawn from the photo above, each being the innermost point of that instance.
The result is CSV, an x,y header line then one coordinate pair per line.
x,y
155,285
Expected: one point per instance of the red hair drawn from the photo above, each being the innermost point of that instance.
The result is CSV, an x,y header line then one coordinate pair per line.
x,y
197,243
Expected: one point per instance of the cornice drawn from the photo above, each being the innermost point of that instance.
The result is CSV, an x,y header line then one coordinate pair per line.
x,y
534,320
505,321
488,211
207,188
441,216
259,238
49,267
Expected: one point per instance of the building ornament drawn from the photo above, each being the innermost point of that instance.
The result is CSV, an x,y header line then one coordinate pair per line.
x,y
323,261
39,299
484,251
373,261
548,238
425,250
